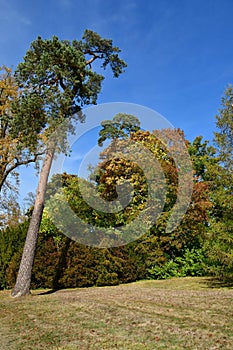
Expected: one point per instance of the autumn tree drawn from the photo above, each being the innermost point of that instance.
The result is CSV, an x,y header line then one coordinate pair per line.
x,y
58,79
8,151
155,245
189,233
14,152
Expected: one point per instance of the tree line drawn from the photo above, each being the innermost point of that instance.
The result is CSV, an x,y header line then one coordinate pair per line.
x,y
54,82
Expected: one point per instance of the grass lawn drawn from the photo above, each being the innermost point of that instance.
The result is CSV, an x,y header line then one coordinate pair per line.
x,y
184,313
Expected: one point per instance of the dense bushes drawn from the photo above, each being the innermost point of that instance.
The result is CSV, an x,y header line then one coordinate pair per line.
x,y
63,263
11,245
192,263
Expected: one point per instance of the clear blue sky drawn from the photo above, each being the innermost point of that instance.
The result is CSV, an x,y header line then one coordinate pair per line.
x,y
179,52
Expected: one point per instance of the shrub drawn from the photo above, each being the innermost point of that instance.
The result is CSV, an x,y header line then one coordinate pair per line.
x,y
192,263
11,243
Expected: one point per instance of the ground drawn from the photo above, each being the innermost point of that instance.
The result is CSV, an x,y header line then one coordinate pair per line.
x,y
184,313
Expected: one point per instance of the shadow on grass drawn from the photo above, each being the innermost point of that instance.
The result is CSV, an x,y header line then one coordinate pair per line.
x,y
51,291
217,282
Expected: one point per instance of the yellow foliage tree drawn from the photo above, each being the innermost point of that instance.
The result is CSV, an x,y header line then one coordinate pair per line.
x,y
13,150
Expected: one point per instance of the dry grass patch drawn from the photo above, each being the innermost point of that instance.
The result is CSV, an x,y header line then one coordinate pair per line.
x,y
173,314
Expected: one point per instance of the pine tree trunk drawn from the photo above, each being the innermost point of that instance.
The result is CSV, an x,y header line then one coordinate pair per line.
x,y
22,286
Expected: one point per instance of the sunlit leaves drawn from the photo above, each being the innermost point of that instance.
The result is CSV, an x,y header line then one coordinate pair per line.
x,y
56,80
221,224
224,136
11,146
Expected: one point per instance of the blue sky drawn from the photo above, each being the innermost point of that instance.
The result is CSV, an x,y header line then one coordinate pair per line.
x,y
179,53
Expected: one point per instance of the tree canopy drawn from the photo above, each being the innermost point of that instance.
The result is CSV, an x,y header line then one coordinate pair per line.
x,y
52,84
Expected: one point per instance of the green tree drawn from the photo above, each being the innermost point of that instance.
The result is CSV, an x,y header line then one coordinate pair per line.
x,y
11,242
221,228
58,81
204,158
120,126
224,137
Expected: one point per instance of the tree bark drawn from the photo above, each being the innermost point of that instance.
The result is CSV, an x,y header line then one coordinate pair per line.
x,y
23,282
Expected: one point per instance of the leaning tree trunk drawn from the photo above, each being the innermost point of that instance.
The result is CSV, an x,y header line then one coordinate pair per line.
x,y
22,286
